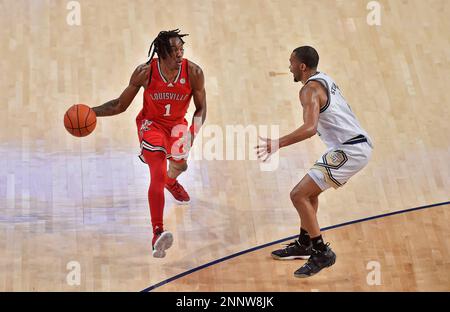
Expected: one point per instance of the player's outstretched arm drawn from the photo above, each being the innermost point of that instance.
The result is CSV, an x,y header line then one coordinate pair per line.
x,y
310,97
138,79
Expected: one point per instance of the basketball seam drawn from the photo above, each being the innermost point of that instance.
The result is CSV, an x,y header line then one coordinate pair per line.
x,y
81,127
78,121
90,124
70,121
85,120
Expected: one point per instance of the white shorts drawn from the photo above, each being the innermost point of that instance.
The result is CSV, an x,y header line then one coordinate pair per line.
x,y
339,164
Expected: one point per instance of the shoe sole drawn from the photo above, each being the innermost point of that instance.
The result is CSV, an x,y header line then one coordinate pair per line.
x,y
179,202
305,276
163,243
290,258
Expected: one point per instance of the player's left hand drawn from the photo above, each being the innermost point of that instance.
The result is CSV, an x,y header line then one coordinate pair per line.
x,y
265,149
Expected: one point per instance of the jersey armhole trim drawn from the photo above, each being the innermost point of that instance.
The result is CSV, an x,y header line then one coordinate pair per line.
x,y
150,75
187,72
150,78
188,75
325,84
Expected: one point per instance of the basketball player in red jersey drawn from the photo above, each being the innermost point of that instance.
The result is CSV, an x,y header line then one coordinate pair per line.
x,y
169,83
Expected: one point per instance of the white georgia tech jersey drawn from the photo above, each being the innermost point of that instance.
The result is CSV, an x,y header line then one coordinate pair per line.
x,y
337,123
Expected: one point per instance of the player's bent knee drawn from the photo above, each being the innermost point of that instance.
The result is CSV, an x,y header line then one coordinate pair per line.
x,y
293,195
180,166
298,196
184,166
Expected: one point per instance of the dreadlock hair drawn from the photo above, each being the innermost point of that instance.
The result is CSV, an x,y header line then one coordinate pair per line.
x,y
161,44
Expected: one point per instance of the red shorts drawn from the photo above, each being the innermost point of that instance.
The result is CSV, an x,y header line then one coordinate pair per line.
x,y
156,138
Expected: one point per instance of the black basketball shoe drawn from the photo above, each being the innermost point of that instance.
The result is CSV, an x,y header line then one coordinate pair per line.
x,y
293,250
318,261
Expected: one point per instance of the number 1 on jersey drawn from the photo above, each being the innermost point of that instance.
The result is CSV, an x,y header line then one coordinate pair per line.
x,y
167,110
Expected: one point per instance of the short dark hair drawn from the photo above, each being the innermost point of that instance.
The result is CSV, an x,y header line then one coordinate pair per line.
x,y
307,55
161,44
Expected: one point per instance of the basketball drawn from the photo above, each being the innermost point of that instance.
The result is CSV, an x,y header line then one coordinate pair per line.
x,y
80,120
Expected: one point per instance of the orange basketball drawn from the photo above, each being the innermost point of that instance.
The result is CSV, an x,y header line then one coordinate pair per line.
x,y
80,120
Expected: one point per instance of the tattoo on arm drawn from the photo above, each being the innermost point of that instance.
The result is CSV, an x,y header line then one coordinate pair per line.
x,y
108,109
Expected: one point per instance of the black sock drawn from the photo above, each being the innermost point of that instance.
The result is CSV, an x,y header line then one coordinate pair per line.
x,y
318,243
304,238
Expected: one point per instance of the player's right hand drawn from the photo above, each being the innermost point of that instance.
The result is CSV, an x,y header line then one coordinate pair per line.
x,y
140,76
267,148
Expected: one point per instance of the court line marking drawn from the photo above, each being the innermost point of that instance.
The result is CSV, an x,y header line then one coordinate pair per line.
x,y
173,278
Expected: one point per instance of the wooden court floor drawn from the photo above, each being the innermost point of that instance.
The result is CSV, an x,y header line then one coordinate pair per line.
x,y
66,201
410,256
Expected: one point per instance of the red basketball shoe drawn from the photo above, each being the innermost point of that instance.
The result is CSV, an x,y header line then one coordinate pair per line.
x,y
178,192
162,240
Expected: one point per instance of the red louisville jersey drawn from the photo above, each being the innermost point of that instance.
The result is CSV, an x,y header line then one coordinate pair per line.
x,y
166,103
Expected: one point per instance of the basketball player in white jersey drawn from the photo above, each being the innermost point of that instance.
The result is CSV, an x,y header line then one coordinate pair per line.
x,y
326,113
